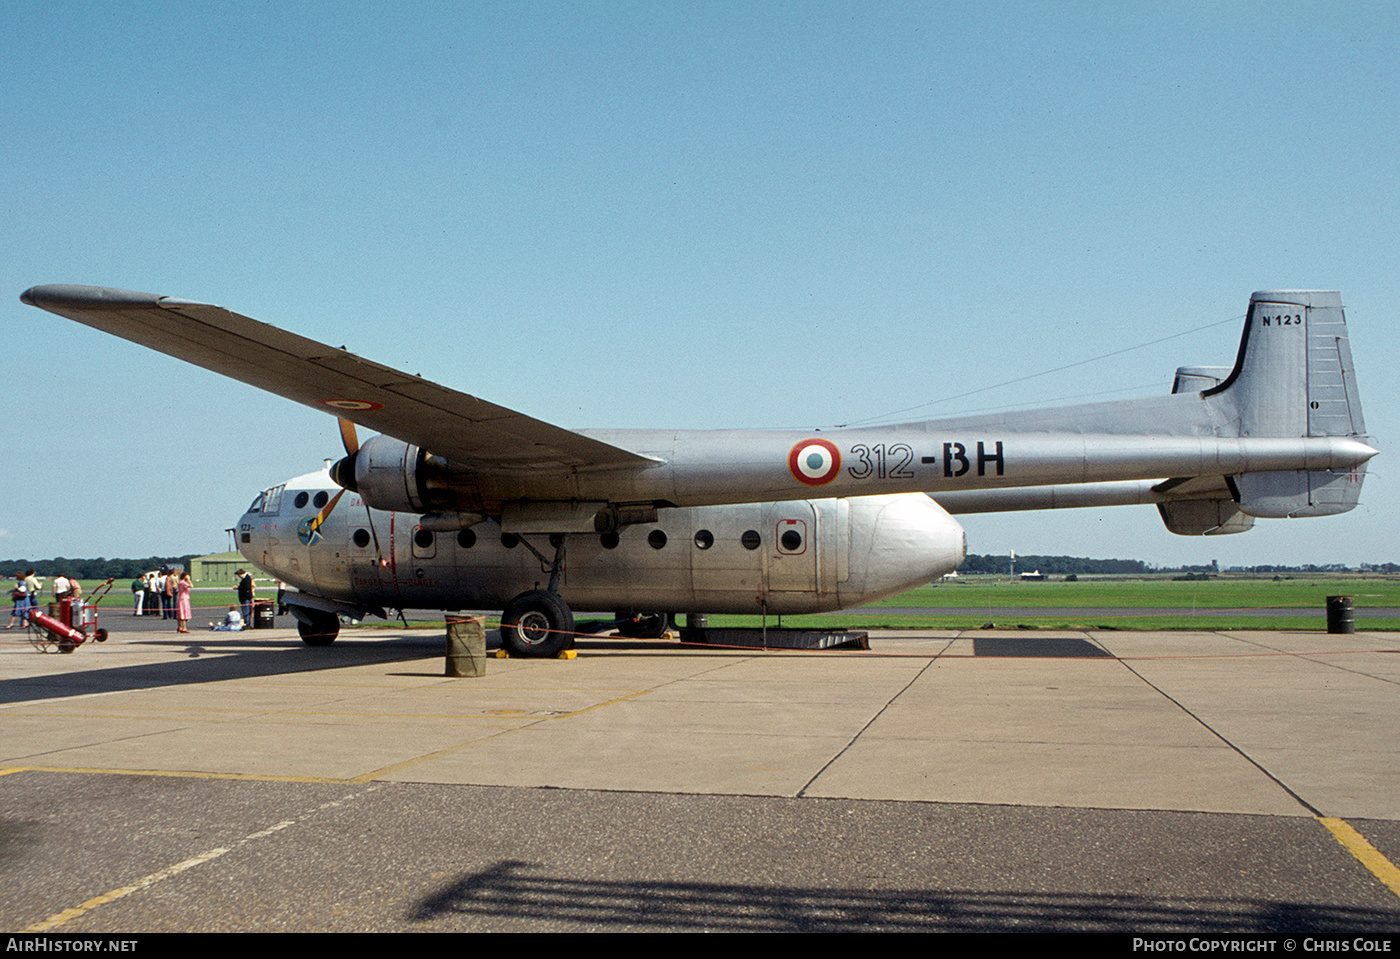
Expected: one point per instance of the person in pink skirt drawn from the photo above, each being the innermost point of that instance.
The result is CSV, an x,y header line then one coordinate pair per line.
x,y
183,613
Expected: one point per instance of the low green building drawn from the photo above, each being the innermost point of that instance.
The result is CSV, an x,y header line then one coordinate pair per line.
x,y
218,568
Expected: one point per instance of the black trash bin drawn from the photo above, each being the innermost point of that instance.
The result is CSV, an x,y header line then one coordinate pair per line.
x,y
263,610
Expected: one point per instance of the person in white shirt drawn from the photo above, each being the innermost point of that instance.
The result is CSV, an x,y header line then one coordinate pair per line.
x,y
233,622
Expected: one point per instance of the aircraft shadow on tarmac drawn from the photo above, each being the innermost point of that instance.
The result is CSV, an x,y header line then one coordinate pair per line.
x,y
510,890
1038,647
216,657
212,658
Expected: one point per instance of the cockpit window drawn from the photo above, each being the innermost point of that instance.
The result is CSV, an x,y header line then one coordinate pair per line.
x,y
257,503
272,501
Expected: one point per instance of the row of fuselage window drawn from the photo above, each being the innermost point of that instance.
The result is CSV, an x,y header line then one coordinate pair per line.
x,y
466,539
656,539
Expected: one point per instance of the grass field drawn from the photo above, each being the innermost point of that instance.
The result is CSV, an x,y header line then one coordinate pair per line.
x,y
969,602
1222,593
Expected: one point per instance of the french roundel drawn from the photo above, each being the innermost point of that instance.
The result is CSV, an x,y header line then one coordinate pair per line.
x,y
353,406
815,462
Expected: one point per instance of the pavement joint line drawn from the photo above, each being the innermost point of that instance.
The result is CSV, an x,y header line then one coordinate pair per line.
x,y
1309,654
1296,654
382,771
449,750
610,702
802,792
193,715
69,699
1365,853
145,882
1238,750
180,727
178,774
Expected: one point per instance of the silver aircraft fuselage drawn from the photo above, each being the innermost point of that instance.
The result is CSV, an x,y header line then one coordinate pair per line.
x,y
791,557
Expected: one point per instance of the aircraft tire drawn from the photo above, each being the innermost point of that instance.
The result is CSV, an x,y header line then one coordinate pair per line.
x,y
319,629
646,626
537,623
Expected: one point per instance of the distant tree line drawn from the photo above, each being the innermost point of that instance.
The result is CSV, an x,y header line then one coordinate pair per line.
x,y
1082,566
1052,565
1326,568
99,568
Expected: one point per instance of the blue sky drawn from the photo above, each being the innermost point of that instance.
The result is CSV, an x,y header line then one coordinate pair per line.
x,y
679,215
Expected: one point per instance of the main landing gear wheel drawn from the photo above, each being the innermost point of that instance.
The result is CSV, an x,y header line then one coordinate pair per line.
x,y
317,627
537,623
643,625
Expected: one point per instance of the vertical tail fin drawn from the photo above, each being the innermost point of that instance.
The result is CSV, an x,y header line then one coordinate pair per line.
x,y
1294,377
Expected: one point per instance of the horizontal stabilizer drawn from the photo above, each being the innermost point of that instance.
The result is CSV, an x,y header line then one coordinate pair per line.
x,y
1204,517
1300,492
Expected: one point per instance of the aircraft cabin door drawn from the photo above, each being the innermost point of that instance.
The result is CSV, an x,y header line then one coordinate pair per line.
x,y
371,551
793,547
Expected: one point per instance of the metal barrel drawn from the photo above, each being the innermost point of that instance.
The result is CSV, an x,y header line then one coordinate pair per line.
x,y
466,645
1340,616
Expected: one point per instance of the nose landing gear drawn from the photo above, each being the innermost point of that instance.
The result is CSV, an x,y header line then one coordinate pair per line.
x,y
317,627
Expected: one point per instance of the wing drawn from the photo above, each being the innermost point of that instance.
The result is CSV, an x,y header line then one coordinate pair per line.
x,y
460,427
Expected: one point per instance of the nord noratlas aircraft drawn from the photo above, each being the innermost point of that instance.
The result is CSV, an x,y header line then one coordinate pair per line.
x,y
462,504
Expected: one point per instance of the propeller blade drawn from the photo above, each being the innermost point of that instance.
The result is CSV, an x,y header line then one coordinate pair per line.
x,y
348,436
343,472
325,512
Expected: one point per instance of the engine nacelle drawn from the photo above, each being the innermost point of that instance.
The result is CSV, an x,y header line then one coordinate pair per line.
x,y
392,475
386,475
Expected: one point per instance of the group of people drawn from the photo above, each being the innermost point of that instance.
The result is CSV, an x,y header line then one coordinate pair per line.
x,y
24,595
165,589
169,590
